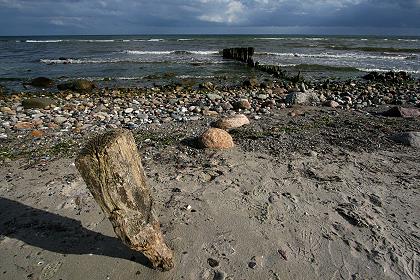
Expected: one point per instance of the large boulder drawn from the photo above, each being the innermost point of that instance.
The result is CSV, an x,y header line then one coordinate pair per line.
x,y
401,112
232,122
37,103
308,97
215,138
408,138
41,82
77,85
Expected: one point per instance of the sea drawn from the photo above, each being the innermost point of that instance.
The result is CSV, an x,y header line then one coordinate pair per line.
x,y
140,60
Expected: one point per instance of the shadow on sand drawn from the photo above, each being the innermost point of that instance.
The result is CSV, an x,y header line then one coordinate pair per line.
x,y
59,234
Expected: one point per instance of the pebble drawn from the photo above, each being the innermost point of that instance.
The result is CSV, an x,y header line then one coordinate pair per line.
x,y
128,110
219,275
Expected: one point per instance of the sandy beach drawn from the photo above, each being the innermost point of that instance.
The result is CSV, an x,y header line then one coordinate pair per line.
x,y
308,192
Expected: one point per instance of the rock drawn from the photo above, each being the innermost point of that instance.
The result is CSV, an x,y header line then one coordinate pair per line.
x,y
210,113
401,112
332,104
77,85
242,104
256,261
7,110
215,138
388,76
59,120
408,138
37,133
37,103
212,262
302,98
128,110
219,275
232,122
2,89
206,85
41,82
23,125
251,83
213,96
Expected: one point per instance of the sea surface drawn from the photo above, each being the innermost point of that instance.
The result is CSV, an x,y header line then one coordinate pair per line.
x,y
138,60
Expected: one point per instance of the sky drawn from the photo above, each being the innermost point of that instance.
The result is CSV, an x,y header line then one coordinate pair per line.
x,y
79,17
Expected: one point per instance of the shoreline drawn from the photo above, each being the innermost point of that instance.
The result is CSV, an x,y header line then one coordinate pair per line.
x,y
310,191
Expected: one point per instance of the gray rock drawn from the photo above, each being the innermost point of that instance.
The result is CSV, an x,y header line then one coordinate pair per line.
x,y
128,110
219,275
77,85
37,102
60,120
213,96
41,82
408,138
302,98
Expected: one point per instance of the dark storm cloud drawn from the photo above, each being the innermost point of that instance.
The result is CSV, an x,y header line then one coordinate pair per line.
x,y
161,16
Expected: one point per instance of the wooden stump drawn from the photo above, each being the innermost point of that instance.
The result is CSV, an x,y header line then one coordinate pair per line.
x,y
111,167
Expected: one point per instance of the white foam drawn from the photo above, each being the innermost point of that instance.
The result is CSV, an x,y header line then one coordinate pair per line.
x,y
184,39
155,40
408,40
148,52
43,41
329,55
171,52
387,70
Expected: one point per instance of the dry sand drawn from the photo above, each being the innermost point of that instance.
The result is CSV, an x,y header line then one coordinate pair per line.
x,y
266,209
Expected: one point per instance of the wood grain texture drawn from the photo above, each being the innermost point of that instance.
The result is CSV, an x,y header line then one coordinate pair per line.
x,y
111,167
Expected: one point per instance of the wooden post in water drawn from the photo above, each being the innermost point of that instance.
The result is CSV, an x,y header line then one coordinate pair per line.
x,y
111,167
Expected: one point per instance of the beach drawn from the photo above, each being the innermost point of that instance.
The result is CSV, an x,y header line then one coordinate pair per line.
x,y
316,187
322,181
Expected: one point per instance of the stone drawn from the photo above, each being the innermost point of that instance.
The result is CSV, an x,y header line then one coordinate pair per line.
x,y
7,110
128,110
212,262
308,97
401,112
78,86
251,83
206,85
37,133
232,122
219,275
42,82
408,138
242,104
213,96
23,125
332,104
215,138
60,120
37,103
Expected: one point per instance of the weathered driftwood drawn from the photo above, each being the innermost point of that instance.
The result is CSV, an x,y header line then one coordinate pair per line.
x,y
111,167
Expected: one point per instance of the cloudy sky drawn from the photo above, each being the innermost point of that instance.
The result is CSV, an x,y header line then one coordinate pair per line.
x,y
52,17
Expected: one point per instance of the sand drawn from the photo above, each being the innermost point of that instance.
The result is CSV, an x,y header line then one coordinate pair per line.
x,y
258,211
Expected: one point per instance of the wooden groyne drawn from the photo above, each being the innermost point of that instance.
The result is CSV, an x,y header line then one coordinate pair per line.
x,y
245,55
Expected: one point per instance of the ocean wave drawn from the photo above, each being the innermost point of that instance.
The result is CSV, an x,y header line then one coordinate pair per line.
x,y
387,70
42,41
376,49
408,40
125,60
176,52
329,55
184,39
195,77
292,38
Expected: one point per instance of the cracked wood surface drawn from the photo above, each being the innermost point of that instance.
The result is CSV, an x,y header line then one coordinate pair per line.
x,y
111,167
